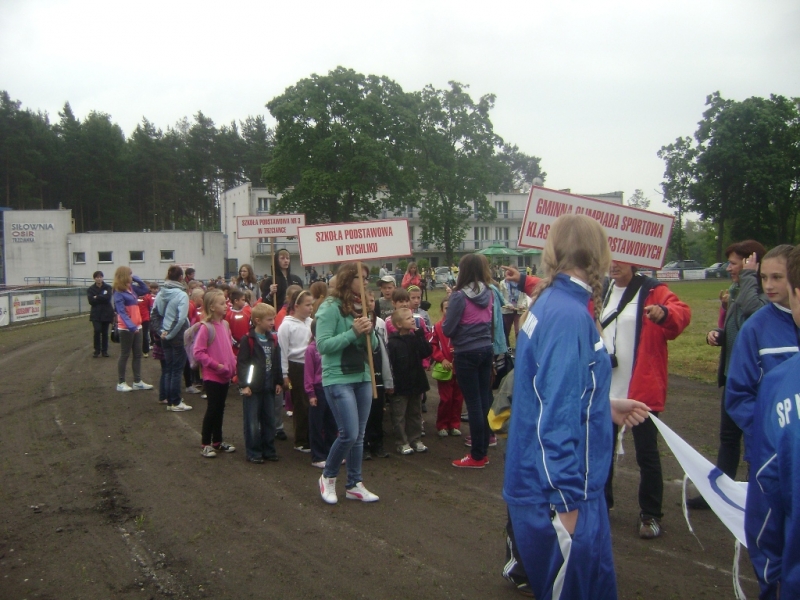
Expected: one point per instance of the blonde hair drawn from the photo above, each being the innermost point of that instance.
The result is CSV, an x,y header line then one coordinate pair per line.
x,y
398,315
197,295
576,242
123,277
208,300
262,311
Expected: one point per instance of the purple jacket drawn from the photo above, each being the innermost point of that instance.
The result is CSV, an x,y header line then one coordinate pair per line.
x,y
468,322
312,371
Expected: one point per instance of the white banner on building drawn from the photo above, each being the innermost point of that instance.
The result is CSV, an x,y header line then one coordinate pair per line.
x,y
264,226
725,496
26,308
636,236
4,317
340,242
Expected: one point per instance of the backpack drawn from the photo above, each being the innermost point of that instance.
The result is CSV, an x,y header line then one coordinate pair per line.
x,y
156,319
189,338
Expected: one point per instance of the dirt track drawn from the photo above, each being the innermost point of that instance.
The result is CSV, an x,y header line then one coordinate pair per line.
x,y
105,495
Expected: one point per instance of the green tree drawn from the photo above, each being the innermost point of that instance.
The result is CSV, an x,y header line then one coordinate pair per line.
x,y
258,144
679,174
639,200
456,163
522,168
341,144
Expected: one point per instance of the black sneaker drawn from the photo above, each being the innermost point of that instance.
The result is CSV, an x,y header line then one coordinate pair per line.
x,y
281,435
366,455
379,452
272,458
697,503
256,459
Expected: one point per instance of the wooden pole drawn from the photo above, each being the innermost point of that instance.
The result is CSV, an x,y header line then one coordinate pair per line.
x,y
365,312
274,279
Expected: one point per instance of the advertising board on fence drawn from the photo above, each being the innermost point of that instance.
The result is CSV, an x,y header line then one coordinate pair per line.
x,y
340,242
263,226
26,307
4,320
636,236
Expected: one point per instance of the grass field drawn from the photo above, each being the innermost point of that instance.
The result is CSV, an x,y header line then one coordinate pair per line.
x,y
689,355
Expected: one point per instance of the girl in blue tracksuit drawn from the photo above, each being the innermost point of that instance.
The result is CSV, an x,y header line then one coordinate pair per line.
x,y
559,440
766,340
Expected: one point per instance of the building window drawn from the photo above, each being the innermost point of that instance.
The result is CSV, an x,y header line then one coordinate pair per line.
x,y
502,209
105,257
501,234
411,235
79,258
263,205
137,255
481,234
168,256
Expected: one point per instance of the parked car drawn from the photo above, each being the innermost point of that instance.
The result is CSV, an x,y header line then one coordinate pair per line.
x,y
682,265
444,276
717,270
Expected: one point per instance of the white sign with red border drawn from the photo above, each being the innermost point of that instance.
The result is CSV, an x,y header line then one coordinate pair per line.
x,y
263,226
341,242
26,307
636,236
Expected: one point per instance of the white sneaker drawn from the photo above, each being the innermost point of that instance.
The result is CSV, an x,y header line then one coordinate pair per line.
x,y
359,492
124,387
208,452
327,489
192,389
420,447
141,385
179,407
320,464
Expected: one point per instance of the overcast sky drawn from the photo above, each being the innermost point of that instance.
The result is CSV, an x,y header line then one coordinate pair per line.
x,y
593,87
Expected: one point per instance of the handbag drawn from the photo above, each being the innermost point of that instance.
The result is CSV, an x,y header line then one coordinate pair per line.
x,y
115,332
439,373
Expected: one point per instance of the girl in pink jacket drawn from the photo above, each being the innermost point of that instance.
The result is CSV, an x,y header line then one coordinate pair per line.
x,y
213,350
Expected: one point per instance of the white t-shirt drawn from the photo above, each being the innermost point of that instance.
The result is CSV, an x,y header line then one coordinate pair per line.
x,y
619,338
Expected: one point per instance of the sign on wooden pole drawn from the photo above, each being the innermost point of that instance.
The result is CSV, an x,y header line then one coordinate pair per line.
x,y
344,242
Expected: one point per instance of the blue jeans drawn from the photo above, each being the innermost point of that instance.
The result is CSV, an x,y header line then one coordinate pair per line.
x,y
474,376
350,404
174,359
259,424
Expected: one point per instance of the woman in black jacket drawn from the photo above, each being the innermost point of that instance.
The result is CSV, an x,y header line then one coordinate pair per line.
x,y
102,313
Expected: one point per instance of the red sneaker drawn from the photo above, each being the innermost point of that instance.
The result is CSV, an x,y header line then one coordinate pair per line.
x,y
470,463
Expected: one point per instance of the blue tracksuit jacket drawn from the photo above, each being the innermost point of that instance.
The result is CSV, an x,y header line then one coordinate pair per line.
x,y
765,341
778,467
560,432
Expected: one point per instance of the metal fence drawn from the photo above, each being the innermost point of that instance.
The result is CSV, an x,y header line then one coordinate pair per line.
x,y
29,304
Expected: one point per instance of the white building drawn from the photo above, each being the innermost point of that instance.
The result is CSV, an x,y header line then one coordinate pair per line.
x,y
41,245
246,200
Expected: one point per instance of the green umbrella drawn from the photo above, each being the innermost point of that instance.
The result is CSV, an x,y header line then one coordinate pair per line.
x,y
498,250
531,251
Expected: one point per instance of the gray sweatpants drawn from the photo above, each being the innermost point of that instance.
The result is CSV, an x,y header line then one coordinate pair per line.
x,y
128,340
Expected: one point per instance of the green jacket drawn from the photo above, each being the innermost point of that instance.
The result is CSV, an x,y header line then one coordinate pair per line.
x,y
344,355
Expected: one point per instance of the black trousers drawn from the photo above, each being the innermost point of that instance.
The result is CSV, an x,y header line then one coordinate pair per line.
x,y
651,481
101,336
215,411
373,435
145,337
730,442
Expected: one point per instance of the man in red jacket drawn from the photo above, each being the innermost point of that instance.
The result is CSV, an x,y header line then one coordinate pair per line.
x,y
640,314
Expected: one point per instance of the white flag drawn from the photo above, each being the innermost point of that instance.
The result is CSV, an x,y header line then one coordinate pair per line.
x,y
725,496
